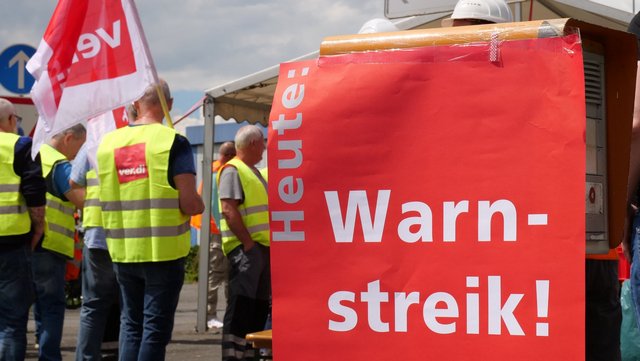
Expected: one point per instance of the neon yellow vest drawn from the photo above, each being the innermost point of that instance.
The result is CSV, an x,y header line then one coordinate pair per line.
x,y
254,209
91,212
59,225
140,210
13,209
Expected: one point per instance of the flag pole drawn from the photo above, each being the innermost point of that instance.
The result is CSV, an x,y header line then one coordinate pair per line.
x,y
143,38
165,108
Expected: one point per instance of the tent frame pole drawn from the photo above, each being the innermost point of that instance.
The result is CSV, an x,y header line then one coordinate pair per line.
x,y
207,178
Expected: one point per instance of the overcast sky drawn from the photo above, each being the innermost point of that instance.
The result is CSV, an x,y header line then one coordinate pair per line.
x,y
199,44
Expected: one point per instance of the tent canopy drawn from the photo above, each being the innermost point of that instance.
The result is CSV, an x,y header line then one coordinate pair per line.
x,y
249,98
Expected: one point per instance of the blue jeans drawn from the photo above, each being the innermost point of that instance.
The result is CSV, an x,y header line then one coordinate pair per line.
x,y
99,293
48,278
150,293
16,296
635,266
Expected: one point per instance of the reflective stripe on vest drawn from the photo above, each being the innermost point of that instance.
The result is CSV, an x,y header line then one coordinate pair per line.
x,y
160,231
170,203
91,212
59,223
254,210
13,209
140,210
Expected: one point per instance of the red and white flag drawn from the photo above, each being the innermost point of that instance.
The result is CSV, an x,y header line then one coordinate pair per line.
x,y
93,58
98,126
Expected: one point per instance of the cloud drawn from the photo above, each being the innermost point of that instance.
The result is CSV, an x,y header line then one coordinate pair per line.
x,y
213,42
199,44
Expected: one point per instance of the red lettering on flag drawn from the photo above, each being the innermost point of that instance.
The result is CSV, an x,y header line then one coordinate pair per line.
x,y
131,163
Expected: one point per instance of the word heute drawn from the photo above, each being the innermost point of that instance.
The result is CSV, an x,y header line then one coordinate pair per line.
x,y
290,188
440,310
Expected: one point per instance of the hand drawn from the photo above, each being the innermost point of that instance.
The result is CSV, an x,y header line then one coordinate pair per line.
x,y
37,234
248,245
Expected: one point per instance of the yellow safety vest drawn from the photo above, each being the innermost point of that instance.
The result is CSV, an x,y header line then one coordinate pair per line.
x,y
13,209
91,212
140,210
254,209
59,225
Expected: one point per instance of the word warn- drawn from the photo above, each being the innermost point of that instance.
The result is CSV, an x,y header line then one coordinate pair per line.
x,y
418,224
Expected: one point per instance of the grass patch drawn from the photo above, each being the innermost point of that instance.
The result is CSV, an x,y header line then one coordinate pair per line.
x,y
191,265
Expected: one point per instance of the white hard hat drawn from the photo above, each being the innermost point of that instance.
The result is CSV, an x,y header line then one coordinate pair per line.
x,y
378,26
495,11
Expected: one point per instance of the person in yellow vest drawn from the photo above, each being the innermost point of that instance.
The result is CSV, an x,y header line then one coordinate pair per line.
x,y
245,242
56,246
147,193
218,264
22,209
100,290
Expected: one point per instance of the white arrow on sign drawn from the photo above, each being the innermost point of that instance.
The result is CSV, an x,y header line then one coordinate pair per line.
x,y
21,58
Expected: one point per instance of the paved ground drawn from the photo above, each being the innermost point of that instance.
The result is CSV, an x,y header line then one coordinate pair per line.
x,y
186,344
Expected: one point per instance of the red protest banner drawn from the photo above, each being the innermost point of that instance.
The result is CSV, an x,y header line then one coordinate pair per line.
x,y
429,204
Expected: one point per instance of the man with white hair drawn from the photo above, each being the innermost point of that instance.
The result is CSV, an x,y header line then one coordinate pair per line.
x,y
245,241
22,209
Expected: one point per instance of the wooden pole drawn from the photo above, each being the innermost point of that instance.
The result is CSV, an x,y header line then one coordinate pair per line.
x,y
165,108
344,44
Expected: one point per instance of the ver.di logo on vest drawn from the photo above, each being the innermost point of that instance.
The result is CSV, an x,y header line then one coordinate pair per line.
x,y
131,163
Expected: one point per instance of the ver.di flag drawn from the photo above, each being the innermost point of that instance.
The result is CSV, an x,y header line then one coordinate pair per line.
x,y
93,58
100,125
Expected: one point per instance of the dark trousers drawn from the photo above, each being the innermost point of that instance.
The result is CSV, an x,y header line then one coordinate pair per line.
x,y
150,292
48,277
16,295
248,303
603,311
100,293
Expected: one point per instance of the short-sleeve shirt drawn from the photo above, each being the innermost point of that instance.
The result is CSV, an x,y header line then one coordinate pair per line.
x,y
230,186
61,172
80,166
94,237
180,159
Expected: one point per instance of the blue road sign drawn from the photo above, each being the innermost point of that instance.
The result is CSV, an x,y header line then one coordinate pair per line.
x,y
13,72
